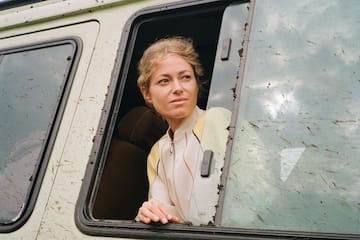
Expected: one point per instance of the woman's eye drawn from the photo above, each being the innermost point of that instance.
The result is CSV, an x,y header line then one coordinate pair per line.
x,y
163,81
186,77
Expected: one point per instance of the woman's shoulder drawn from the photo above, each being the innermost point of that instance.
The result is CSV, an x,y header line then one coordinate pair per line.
x,y
218,112
215,116
212,127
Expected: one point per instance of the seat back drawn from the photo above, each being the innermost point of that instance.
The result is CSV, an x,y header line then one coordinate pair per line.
x,y
124,185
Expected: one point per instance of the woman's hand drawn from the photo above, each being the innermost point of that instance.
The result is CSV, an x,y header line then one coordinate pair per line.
x,y
155,211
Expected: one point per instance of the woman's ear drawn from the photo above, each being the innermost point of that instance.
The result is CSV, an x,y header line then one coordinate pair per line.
x,y
146,94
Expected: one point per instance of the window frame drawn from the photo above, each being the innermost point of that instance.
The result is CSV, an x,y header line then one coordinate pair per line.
x,y
132,229
129,228
53,127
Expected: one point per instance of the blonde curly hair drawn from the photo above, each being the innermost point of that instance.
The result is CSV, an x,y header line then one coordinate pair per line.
x,y
157,51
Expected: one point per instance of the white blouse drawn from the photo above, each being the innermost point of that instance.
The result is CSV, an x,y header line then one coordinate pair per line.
x,y
178,183
179,157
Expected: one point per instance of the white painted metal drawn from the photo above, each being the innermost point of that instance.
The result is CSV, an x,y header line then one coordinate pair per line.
x,y
99,24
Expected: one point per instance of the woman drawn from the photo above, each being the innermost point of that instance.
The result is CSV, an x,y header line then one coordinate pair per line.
x,y
169,73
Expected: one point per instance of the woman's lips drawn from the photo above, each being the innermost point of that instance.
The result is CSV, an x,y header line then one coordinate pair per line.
x,y
178,100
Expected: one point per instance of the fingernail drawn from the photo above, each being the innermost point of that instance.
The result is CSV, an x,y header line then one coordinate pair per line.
x,y
169,217
164,220
156,218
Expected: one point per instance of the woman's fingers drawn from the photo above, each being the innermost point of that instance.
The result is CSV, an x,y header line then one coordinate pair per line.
x,y
143,219
167,216
154,211
145,215
149,212
175,219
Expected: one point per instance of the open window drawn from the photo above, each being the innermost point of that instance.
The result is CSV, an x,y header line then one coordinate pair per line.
x,y
35,81
116,182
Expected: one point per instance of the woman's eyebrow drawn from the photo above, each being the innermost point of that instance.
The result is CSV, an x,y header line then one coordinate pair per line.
x,y
169,75
184,71
162,75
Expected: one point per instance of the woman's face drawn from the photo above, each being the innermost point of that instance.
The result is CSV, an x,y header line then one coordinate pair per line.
x,y
173,89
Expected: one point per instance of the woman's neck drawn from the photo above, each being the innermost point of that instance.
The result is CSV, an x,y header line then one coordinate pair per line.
x,y
176,124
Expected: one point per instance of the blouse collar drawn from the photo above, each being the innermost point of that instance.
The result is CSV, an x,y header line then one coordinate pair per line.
x,y
187,125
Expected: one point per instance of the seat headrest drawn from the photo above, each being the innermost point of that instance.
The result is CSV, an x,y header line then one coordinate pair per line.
x,y
141,126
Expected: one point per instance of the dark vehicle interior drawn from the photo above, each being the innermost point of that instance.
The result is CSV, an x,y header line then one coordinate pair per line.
x,y
122,184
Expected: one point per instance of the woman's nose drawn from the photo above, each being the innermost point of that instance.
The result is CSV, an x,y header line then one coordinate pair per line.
x,y
177,86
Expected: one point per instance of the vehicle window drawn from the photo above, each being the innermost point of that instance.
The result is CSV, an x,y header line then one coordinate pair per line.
x,y
295,161
123,145
33,82
112,200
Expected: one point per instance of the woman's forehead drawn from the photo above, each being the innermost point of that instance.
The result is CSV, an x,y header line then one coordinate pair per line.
x,y
172,64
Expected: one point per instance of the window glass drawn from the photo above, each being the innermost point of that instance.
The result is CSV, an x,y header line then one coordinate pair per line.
x,y
218,113
295,161
227,61
31,85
